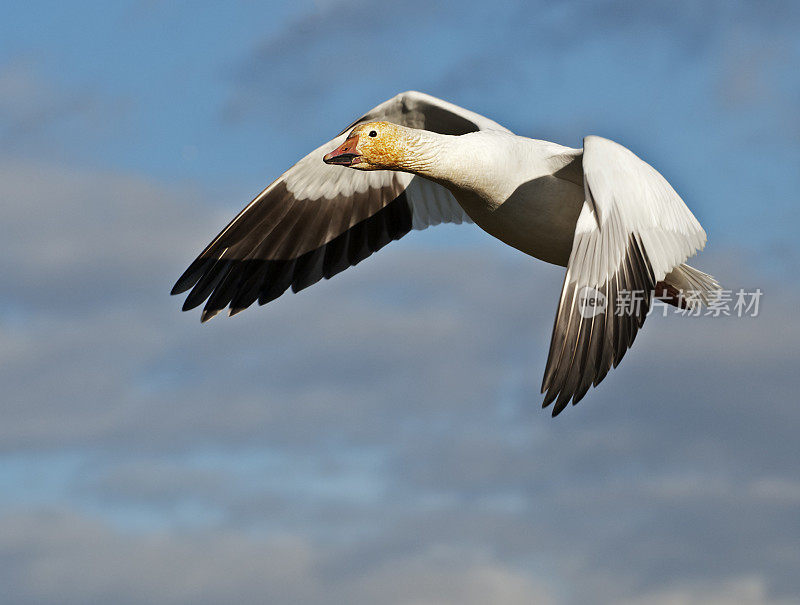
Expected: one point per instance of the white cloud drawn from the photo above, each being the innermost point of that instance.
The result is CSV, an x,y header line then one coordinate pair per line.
x,y
747,590
72,559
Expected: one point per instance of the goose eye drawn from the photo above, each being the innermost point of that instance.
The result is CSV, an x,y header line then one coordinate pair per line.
x,y
373,133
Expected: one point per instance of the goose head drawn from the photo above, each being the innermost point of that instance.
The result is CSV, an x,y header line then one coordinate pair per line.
x,y
376,146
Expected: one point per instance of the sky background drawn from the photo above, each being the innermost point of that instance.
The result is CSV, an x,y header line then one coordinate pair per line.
x,y
378,438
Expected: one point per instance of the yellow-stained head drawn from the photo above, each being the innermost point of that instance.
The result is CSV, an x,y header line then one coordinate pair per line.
x,y
374,146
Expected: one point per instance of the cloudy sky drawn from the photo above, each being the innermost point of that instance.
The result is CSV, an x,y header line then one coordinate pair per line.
x,y
378,438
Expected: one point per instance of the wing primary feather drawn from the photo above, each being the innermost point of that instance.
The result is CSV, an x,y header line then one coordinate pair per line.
x,y
309,269
377,233
280,282
206,284
336,256
248,293
225,290
578,363
206,315
358,249
589,362
191,276
573,329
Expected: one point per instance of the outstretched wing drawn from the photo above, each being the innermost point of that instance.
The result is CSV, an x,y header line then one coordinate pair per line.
x,y
316,220
633,229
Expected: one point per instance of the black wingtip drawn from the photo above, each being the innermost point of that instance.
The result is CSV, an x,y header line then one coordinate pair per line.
x,y
190,304
191,276
208,314
183,284
560,406
581,393
549,398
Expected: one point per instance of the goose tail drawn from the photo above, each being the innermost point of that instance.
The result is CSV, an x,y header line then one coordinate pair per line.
x,y
686,286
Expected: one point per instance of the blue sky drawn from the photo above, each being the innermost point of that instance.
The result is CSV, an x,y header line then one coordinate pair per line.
x,y
378,438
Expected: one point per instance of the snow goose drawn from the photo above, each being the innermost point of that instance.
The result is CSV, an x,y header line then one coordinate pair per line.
x,y
613,221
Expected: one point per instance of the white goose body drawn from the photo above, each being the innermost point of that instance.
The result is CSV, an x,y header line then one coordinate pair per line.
x,y
508,186
600,211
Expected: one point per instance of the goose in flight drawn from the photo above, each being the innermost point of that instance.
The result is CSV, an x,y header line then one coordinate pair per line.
x,y
414,161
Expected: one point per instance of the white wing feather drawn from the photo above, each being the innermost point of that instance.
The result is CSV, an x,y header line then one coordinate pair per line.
x,y
632,231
